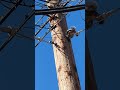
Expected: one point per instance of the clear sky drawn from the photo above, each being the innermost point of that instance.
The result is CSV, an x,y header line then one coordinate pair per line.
x,y
45,72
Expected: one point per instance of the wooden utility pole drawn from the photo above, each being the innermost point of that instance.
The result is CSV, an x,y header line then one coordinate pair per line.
x,y
64,59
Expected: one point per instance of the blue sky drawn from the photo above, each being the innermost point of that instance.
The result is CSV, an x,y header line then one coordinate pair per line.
x,y
45,72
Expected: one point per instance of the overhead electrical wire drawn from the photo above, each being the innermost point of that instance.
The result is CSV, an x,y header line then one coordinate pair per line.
x,y
44,25
80,1
40,4
10,11
53,27
19,28
19,3
29,37
32,38
23,36
42,39
107,14
39,20
59,10
5,5
51,17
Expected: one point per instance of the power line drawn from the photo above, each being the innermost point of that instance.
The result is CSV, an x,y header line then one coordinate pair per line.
x,y
103,16
106,15
43,37
8,30
39,20
109,13
41,27
53,27
11,10
48,22
11,37
51,17
32,38
19,3
59,10
5,5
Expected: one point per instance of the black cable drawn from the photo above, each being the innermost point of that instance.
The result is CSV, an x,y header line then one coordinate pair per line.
x,y
11,10
5,5
109,13
19,3
49,19
30,38
11,37
45,35
53,27
105,15
80,1
22,24
59,10
41,27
